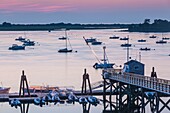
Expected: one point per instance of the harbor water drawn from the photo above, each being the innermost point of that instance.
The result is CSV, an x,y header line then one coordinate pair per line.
x,y
43,65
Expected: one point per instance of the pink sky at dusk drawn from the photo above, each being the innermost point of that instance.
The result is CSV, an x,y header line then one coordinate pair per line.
x,y
107,11
77,5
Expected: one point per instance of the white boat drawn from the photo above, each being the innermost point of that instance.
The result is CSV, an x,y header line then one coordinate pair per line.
x,y
16,47
66,49
4,90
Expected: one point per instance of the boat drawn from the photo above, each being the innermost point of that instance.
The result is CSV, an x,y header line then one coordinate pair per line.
x,y
20,39
145,49
42,89
62,38
90,40
15,103
83,100
66,50
125,38
165,38
114,37
4,90
93,100
39,101
16,47
126,45
105,63
161,42
96,43
153,36
28,43
141,40
72,97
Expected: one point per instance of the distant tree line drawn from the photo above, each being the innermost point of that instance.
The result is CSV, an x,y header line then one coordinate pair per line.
x,y
6,26
158,25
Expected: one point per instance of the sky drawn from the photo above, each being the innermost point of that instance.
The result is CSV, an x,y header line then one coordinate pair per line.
x,y
83,11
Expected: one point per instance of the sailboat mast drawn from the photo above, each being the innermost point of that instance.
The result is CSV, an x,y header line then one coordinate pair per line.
x,y
66,37
128,49
104,56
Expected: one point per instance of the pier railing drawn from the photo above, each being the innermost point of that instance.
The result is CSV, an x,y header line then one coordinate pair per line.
x,y
150,83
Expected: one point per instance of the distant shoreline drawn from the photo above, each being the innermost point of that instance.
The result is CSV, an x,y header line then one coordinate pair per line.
x,y
58,26
158,26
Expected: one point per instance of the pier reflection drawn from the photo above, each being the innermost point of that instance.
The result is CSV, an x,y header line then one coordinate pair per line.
x,y
24,108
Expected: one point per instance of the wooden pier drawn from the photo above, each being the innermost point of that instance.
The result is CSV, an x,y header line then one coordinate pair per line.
x,y
134,92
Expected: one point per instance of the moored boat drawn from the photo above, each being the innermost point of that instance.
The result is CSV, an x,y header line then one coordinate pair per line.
x,y
114,37
125,38
161,42
96,43
16,47
126,45
145,49
4,90
141,40
90,40
153,36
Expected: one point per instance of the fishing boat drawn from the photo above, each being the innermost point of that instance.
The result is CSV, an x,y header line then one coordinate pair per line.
x,y
4,90
145,49
16,47
141,40
161,42
114,37
66,49
105,63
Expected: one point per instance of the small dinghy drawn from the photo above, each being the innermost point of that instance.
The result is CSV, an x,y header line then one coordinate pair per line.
x,y
15,102
39,101
93,100
83,100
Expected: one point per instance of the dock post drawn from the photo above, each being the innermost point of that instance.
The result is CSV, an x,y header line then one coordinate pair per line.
x,y
84,84
22,85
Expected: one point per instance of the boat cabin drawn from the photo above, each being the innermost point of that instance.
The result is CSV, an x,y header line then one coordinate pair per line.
x,y
134,66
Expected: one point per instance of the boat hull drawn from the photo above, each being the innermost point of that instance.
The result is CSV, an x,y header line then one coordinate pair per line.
x,y
4,90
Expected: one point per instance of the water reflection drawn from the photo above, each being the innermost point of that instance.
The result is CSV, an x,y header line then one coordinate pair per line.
x,y
24,108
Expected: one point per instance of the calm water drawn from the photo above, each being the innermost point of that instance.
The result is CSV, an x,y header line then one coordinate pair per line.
x,y
43,65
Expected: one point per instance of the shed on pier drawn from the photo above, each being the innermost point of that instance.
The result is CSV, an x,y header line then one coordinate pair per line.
x,y
134,66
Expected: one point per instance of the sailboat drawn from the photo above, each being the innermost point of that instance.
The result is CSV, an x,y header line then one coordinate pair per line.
x,y
65,50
